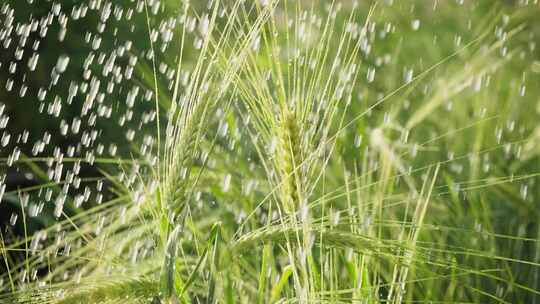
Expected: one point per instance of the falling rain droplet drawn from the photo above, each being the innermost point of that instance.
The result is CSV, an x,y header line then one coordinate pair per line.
x,y
523,191
415,24
13,219
62,63
226,183
370,76
408,75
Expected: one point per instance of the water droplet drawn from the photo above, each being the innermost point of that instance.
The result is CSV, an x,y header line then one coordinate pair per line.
x,y
415,24
226,183
204,25
408,75
522,89
13,219
370,76
523,191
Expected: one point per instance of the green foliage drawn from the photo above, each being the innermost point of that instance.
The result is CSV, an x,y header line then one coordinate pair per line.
x,y
271,152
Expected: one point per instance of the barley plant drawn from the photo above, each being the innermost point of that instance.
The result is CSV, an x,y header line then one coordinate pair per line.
x,y
269,151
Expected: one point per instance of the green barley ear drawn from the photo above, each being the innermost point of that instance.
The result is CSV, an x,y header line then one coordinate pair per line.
x,y
169,273
290,157
139,291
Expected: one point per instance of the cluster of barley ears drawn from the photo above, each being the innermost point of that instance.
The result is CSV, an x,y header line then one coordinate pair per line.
x,y
292,157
